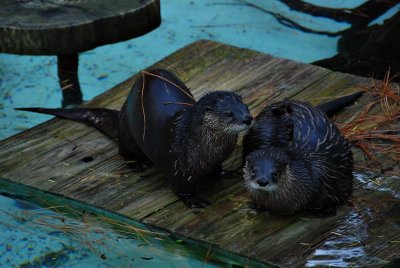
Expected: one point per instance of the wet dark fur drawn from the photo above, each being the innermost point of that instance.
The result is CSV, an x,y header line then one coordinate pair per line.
x,y
186,139
297,159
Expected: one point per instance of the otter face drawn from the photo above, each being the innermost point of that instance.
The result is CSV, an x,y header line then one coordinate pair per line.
x,y
264,171
226,111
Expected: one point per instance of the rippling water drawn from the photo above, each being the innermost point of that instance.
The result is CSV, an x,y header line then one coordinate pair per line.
x,y
350,244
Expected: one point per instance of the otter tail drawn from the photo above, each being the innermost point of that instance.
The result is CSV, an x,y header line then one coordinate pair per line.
x,y
332,107
105,120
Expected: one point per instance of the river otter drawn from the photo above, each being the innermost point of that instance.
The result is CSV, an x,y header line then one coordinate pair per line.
x,y
161,123
297,159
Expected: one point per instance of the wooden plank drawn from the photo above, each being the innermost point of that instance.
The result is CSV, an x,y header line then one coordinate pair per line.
x,y
76,161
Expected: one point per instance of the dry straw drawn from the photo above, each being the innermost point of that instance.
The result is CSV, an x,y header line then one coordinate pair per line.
x,y
375,127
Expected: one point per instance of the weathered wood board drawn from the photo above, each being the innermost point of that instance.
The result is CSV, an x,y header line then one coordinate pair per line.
x,y
76,161
69,27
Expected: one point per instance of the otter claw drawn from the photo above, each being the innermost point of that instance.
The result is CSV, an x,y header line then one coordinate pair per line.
x,y
324,212
194,202
227,174
257,207
137,166
224,173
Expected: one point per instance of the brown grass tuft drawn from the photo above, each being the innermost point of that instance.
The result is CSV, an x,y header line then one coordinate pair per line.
x,y
375,128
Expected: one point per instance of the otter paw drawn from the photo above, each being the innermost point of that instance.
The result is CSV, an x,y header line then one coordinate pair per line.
x,y
257,207
219,173
137,166
194,202
324,212
227,174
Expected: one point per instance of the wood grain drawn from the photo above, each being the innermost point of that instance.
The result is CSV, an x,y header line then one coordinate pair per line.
x,y
37,27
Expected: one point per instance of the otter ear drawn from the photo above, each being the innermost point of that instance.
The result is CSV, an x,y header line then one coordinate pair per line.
x,y
287,168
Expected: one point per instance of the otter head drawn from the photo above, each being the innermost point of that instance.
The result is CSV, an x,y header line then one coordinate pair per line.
x,y
264,170
223,110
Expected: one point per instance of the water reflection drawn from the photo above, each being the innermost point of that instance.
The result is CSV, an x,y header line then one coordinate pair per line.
x,y
365,235
345,247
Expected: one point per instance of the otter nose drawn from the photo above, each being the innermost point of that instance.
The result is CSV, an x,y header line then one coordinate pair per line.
x,y
262,182
247,120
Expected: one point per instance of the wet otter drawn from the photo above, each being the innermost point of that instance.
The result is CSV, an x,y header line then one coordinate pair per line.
x,y
297,159
161,123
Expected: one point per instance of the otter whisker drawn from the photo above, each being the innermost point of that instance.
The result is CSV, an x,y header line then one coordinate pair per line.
x,y
141,99
180,103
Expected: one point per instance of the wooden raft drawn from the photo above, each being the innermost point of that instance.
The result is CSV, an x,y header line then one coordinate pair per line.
x,y
76,161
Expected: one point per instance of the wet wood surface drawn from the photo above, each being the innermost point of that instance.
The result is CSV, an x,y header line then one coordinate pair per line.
x,y
76,161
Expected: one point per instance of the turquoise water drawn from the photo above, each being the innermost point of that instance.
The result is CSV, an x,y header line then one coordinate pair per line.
x,y
43,230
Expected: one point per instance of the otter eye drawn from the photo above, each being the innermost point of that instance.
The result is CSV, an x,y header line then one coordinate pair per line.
x,y
229,114
275,176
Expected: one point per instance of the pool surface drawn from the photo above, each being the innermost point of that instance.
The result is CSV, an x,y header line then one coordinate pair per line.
x,y
43,230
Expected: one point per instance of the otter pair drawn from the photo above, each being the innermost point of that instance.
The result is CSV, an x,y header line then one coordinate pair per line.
x,y
161,123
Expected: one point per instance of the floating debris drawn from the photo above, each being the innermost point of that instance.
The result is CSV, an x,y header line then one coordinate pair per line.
x,y
102,76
